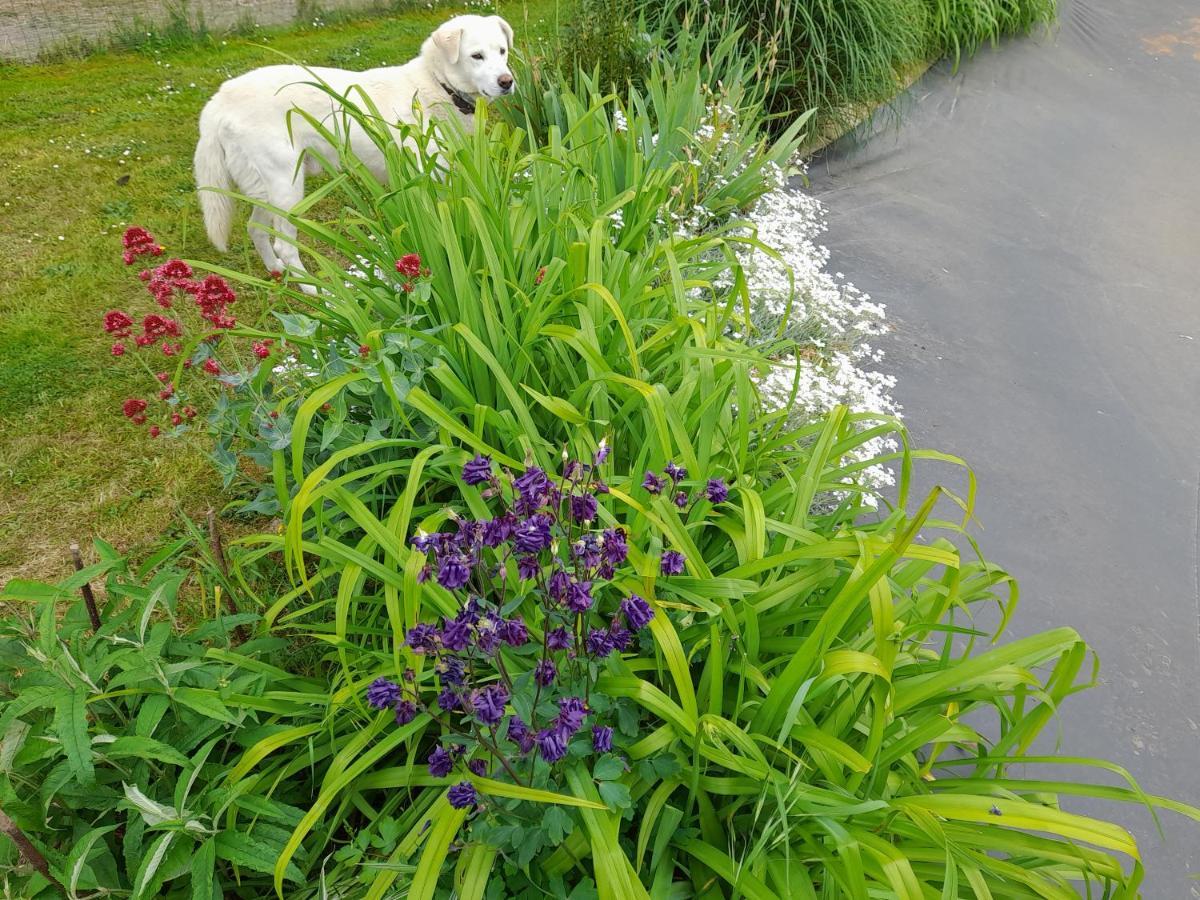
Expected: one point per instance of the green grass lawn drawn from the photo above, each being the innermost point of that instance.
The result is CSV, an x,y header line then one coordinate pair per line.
x,y
90,146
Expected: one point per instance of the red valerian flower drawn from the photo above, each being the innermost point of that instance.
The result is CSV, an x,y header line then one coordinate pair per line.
x,y
117,323
143,340
164,377
156,326
170,349
133,407
118,349
155,431
176,419
541,273
407,287
364,351
139,242
167,392
409,264
262,349
189,412
211,366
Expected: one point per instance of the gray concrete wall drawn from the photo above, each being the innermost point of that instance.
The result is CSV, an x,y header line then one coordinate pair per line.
x,y
33,28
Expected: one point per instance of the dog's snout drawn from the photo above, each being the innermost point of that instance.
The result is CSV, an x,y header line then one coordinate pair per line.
x,y
505,81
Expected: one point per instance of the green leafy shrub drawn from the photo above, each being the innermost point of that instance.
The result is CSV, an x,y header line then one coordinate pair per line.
x,y
115,742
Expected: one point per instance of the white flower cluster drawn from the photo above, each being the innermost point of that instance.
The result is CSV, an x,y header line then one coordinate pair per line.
x,y
827,319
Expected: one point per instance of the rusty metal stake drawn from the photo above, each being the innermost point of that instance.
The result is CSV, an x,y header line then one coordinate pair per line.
x,y
30,852
86,589
218,552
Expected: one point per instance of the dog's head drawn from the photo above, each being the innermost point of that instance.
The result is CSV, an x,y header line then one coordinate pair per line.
x,y
473,53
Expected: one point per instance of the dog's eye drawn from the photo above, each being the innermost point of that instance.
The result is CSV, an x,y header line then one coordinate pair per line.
x,y
476,56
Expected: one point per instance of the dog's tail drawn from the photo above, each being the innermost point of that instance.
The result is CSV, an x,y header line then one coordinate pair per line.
x,y
212,177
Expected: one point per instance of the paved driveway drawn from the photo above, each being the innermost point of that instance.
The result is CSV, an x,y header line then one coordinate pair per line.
x,y
1034,227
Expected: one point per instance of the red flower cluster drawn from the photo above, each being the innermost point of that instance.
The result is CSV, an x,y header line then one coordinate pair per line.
x,y
262,349
171,276
212,367
409,264
117,323
214,297
134,409
139,242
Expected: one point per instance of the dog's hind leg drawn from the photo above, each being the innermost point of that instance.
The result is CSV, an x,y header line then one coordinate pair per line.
x,y
260,221
286,193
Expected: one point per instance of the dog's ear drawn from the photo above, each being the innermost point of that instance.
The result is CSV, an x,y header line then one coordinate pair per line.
x,y
449,40
506,28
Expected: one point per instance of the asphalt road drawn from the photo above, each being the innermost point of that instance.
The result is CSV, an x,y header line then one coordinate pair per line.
x,y
1033,224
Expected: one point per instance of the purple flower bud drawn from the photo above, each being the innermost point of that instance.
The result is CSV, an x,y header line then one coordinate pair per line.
x,y
478,767
552,744
456,635
579,596
478,470
423,638
681,499
716,491
533,535
406,711
599,643
637,612
653,483
489,703
583,507
410,675
571,713
441,763
616,550
514,633
602,738
601,453
674,472
544,672
454,573
558,639
423,575
528,567
462,795
672,562
382,693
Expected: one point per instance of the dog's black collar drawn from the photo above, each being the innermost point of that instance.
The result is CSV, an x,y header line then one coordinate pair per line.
x,y
462,103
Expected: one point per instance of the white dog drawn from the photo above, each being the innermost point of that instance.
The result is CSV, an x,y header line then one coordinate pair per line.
x,y
244,140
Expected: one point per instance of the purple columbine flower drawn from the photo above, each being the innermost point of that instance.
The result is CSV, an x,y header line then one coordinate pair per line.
x,y
621,637
544,672
601,452
528,567
487,635
489,703
498,530
674,472
382,693
478,767
456,635
518,733
587,550
558,639
478,470
409,675
514,632
462,795
716,491
406,711
583,507
653,483
448,700
681,499
532,484
453,573
451,669
441,763
637,612
571,713
558,584
615,547
599,643
552,744
533,535
602,738
672,562
579,596
426,542
423,638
